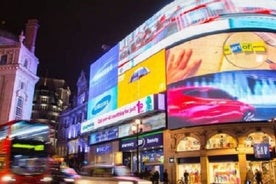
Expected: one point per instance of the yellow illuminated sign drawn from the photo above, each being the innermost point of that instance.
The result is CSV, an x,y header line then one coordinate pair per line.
x,y
29,146
245,47
144,79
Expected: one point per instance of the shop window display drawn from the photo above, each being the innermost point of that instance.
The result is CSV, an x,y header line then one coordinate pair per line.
x,y
193,170
221,141
224,172
265,167
257,138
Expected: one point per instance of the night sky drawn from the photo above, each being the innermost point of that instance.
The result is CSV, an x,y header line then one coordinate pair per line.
x,y
72,32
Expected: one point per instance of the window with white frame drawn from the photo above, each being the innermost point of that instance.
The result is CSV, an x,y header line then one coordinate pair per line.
x,y
19,107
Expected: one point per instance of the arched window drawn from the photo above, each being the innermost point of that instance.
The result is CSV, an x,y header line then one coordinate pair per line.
x,y
221,141
257,138
188,144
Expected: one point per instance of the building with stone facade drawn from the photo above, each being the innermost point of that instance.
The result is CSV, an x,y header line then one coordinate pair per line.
x,y
18,72
72,145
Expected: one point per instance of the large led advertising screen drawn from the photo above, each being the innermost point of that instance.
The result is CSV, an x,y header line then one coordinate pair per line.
x,y
197,50
103,84
222,78
143,79
180,14
104,72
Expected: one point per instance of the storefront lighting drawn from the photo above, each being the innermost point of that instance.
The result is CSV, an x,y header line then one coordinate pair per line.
x,y
137,129
171,160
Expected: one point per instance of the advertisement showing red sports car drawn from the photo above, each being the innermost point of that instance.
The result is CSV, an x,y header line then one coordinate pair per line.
x,y
195,105
222,78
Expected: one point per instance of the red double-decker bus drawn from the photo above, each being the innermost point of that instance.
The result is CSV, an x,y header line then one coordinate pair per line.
x,y
24,153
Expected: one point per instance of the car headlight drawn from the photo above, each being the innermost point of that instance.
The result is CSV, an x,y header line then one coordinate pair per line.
x,y
69,180
46,179
8,178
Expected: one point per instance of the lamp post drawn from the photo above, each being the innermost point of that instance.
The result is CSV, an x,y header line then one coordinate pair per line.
x,y
137,128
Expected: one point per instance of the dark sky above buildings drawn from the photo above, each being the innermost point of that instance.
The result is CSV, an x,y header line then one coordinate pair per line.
x,y
72,32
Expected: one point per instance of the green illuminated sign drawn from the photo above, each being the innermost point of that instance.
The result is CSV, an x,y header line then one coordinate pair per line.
x,y
29,146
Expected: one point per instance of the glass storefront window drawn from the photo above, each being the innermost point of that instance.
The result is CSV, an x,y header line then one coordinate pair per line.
x,y
221,141
153,156
193,169
188,144
265,167
224,172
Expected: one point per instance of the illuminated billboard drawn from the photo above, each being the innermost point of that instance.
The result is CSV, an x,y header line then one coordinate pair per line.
x,y
146,78
103,84
104,73
179,15
132,93
222,78
103,103
142,106
142,64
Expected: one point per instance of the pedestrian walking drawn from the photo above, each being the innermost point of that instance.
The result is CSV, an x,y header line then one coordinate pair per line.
x,y
165,177
186,177
258,177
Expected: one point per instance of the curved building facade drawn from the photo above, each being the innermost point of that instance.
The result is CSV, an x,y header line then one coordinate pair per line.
x,y
200,76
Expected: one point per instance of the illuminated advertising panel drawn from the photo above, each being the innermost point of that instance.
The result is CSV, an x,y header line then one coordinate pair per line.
x,y
103,84
139,107
104,135
142,106
146,78
179,15
221,78
150,140
103,103
149,124
104,73
103,149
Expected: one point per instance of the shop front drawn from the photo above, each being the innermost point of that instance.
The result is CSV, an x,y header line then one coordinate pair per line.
x,y
190,167
106,153
149,152
224,169
221,154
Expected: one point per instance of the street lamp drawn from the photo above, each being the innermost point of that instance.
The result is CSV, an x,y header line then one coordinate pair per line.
x,y
137,128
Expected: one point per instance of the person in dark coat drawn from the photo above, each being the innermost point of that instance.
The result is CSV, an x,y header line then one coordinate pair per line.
x,y
156,177
186,177
258,176
165,177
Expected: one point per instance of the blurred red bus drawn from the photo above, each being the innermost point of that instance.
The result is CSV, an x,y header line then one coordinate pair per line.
x,y
24,153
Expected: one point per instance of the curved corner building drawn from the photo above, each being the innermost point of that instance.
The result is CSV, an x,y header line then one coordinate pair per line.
x,y
200,75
